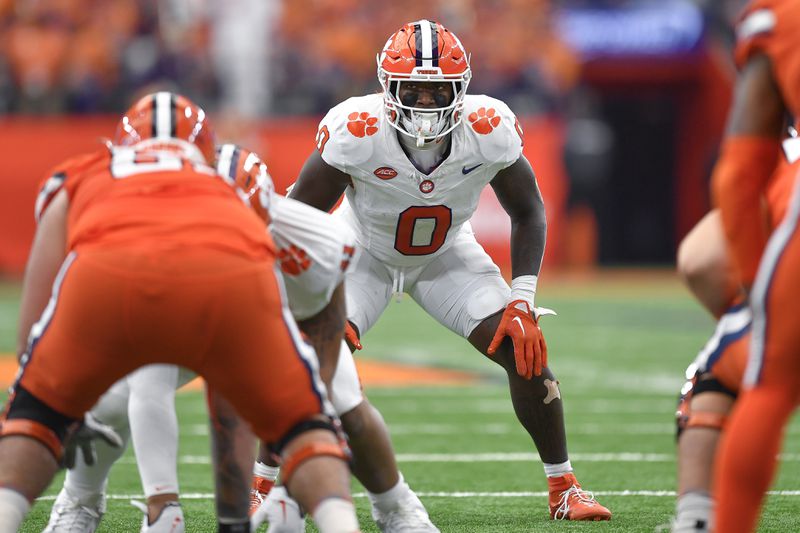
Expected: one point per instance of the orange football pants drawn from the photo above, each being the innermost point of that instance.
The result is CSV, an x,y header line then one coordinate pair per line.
x,y
216,313
771,390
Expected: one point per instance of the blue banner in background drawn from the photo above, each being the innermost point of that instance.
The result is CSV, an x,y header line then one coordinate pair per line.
x,y
659,28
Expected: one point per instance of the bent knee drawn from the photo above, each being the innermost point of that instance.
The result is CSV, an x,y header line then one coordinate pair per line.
x,y
30,417
358,420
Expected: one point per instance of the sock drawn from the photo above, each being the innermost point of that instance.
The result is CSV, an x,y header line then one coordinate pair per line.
x,y
387,501
233,525
13,508
154,427
269,473
693,512
336,515
556,470
85,483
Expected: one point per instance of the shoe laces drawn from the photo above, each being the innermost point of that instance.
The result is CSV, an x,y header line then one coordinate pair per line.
x,y
572,493
256,499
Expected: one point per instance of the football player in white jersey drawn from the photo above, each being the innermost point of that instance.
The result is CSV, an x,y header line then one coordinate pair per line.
x,y
412,163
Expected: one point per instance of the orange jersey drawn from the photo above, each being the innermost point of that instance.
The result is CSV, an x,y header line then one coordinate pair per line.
x,y
770,27
153,199
779,191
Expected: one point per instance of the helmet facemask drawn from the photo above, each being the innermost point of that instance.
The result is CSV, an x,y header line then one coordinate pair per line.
x,y
423,51
425,124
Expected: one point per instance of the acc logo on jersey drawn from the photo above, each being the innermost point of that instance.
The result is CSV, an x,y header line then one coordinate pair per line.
x,y
361,124
484,121
385,173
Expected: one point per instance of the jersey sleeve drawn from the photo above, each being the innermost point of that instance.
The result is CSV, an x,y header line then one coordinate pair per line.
x,y
769,28
56,180
48,189
345,136
754,29
314,251
332,138
497,129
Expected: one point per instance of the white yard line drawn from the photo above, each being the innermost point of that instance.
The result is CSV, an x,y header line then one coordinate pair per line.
x,y
513,457
433,494
511,428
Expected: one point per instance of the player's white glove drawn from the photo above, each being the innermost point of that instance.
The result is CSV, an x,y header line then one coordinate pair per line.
x,y
83,437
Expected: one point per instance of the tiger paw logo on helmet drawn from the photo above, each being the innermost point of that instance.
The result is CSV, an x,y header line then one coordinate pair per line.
x,y
484,121
361,124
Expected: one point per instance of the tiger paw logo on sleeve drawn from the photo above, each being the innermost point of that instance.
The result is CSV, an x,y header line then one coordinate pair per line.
x,y
361,124
293,260
484,121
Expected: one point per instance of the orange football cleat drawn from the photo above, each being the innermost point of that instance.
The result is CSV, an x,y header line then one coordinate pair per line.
x,y
568,501
258,492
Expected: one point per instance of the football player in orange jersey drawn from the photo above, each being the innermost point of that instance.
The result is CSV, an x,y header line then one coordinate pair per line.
x,y
768,264
314,252
159,260
412,162
714,377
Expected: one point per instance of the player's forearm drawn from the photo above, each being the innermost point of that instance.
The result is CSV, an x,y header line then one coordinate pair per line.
x,y
46,257
319,185
528,237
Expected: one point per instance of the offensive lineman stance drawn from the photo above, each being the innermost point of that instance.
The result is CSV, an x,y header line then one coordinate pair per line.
x,y
162,262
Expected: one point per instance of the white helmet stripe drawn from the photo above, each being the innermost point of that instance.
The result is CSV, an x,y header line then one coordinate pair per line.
x,y
225,161
163,115
251,160
427,43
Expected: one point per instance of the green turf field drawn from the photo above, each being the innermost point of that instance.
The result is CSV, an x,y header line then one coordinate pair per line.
x,y
618,346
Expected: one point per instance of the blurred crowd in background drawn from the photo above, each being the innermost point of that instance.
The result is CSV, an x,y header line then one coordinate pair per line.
x,y
623,76
259,56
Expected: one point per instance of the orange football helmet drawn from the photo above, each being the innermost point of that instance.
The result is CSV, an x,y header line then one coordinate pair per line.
x,y
423,51
248,172
167,118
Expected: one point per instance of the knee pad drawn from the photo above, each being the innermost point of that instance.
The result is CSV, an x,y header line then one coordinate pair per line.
x,y
686,418
28,416
309,451
289,464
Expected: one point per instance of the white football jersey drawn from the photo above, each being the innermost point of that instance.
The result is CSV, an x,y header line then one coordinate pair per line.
x,y
402,216
314,253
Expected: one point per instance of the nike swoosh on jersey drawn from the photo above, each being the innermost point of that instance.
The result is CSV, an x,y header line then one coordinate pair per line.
x,y
519,320
466,170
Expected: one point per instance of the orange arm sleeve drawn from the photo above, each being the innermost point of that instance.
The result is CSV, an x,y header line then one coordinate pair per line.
x,y
739,180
